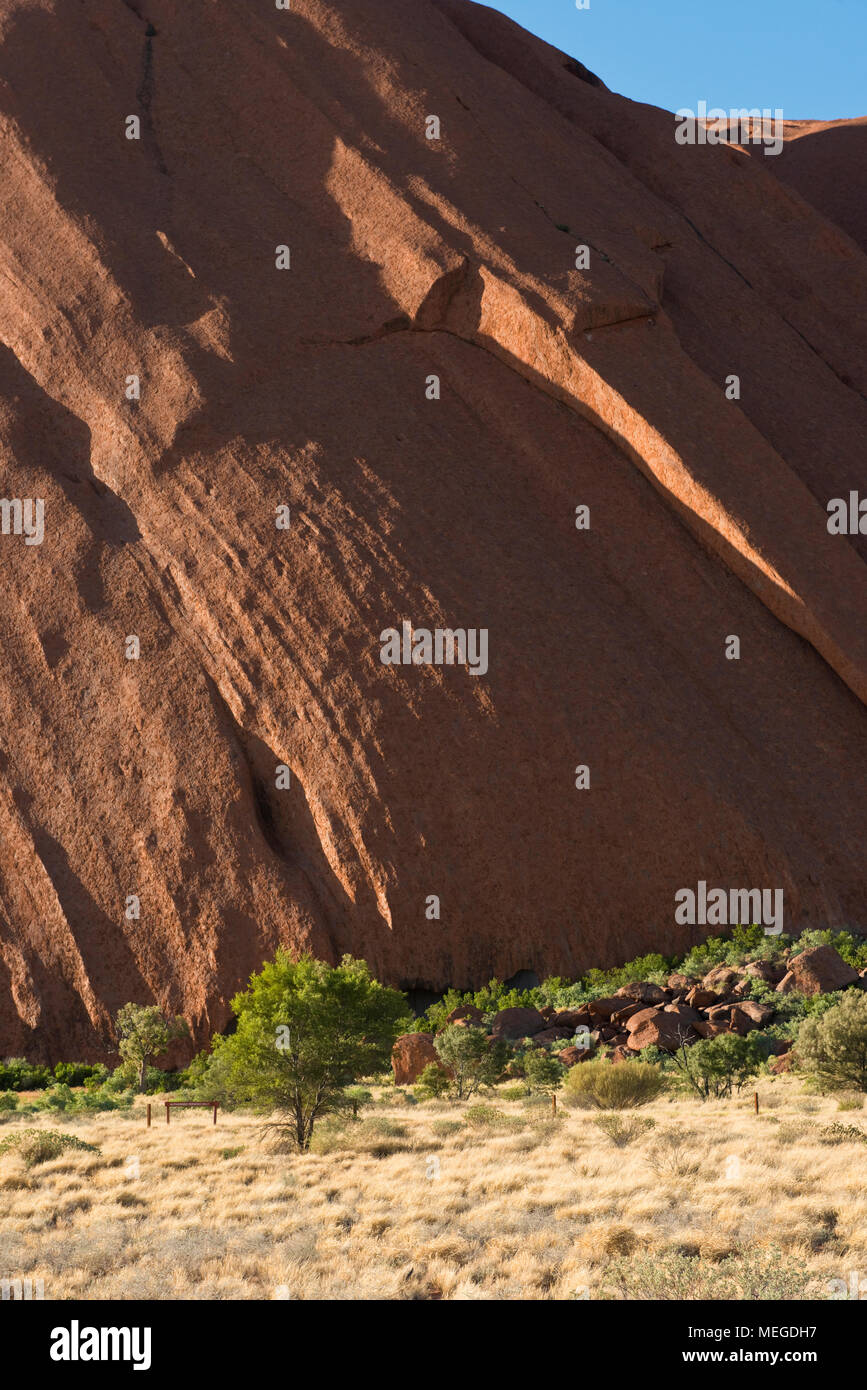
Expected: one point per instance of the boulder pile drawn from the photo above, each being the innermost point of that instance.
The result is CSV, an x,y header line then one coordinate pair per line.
x,y
642,1014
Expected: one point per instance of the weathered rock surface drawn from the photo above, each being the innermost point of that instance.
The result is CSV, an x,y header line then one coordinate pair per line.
x,y
157,778
410,1055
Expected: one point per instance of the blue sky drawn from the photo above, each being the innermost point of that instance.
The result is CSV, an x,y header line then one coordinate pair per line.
x,y
807,56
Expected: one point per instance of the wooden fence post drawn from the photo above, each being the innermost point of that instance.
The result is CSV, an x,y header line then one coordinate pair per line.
x,y
149,1114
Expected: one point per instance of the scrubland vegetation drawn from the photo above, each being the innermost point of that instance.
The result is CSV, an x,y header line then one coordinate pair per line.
x,y
500,1173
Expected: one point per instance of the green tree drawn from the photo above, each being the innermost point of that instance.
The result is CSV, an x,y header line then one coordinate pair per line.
x,y
832,1047
713,1067
143,1032
542,1072
473,1058
306,1031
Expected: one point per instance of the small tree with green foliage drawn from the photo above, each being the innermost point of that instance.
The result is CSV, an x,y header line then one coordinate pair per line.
x,y
713,1067
543,1074
473,1058
832,1047
143,1033
306,1031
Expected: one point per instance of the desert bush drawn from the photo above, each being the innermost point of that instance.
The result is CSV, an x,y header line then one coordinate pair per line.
x,y
623,1131
8,1101
488,1117
512,1092
613,1086
444,1129
672,1155
838,1133
832,1047
356,1098
750,1275
601,982
39,1145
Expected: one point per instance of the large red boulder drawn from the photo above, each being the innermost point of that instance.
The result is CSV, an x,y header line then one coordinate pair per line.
x,y
643,1016
467,1012
710,1030
645,992
571,1018
410,1055
750,1014
722,978
821,970
665,1030
604,1008
517,1023
628,1012
785,1062
766,970
571,1056
699,998
680,982
550,1035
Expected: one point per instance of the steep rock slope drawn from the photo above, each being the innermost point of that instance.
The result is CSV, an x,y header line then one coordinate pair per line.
x,y
306,387
826,161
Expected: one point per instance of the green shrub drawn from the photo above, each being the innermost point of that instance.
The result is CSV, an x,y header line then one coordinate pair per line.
x,y
75,1073
59,1098
8,1100
654,968
832,1046
473,1059
433,1083
613,1085
17,1074
40,1145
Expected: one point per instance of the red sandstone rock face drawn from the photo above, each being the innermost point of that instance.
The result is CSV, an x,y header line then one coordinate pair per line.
x,y
826,161
305,388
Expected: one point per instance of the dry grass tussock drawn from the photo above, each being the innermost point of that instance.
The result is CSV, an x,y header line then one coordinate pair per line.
x,y
428,1201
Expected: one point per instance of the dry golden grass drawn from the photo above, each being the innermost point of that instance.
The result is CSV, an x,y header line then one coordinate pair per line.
x,y
414,1203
